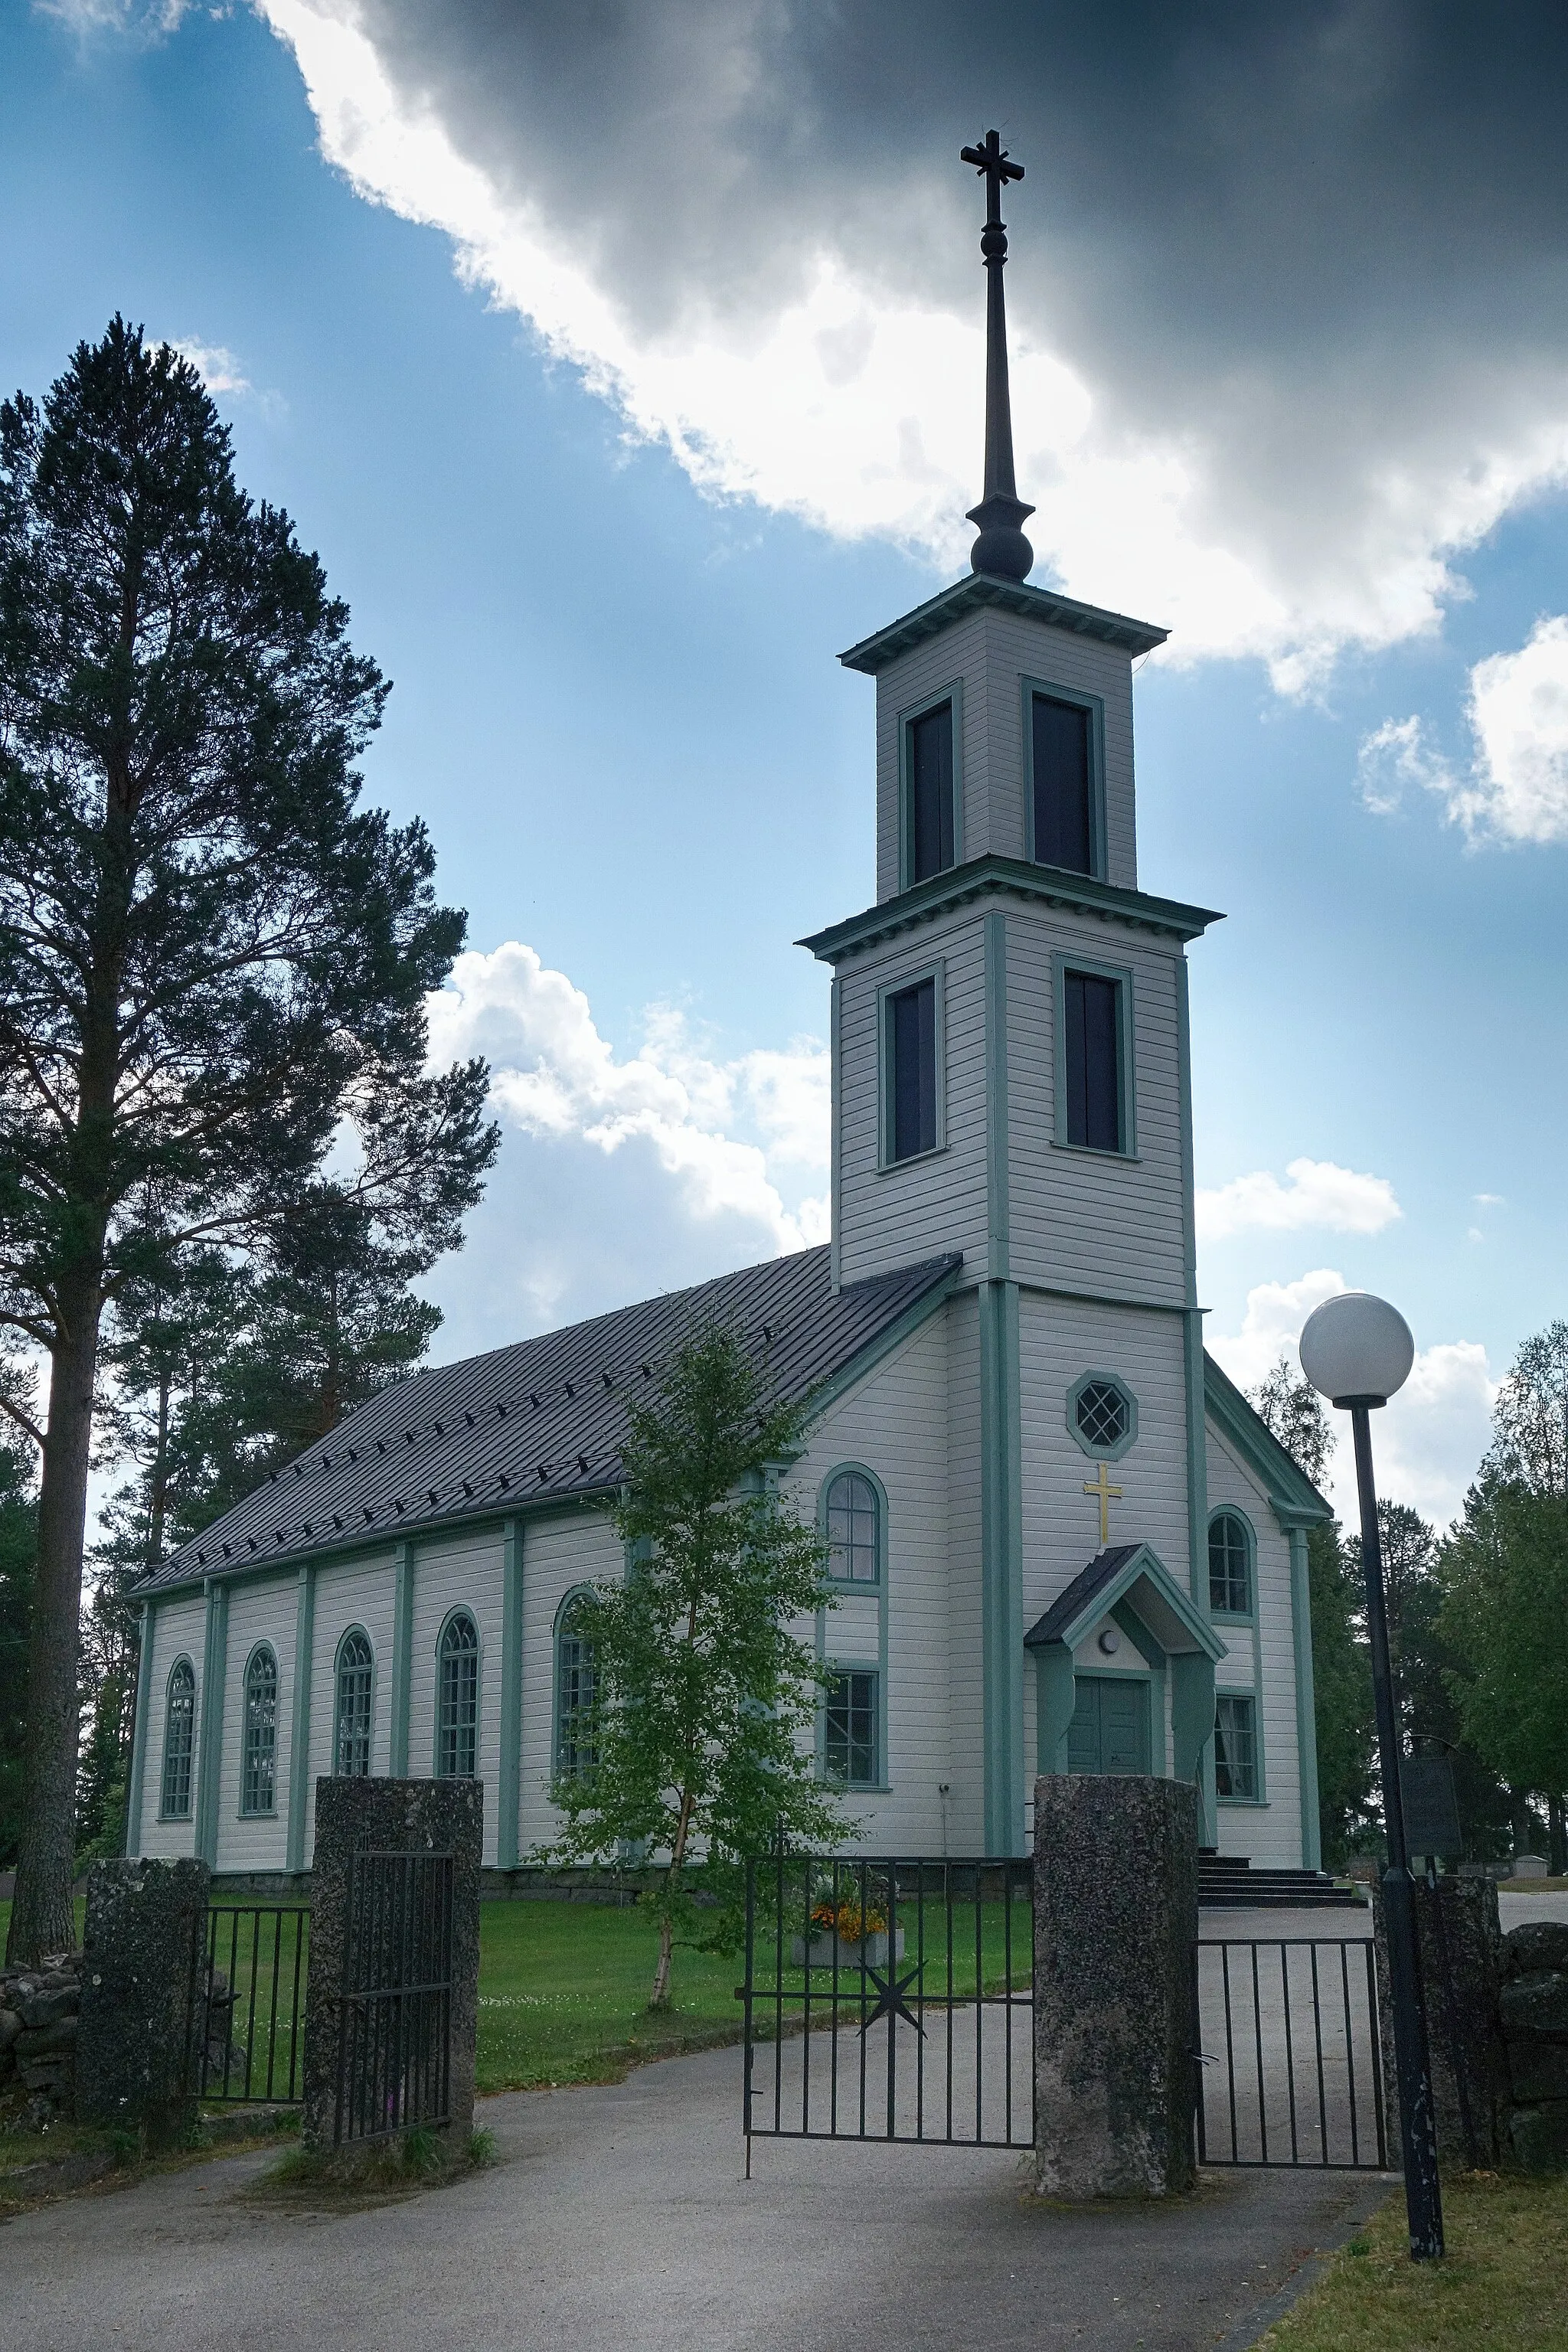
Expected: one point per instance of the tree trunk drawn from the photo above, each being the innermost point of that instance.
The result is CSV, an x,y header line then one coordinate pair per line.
x,y
1556,1837
659,1997
42,1918
1519,1819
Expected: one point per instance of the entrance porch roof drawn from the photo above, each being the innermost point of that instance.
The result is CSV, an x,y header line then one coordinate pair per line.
x,y
1133,1574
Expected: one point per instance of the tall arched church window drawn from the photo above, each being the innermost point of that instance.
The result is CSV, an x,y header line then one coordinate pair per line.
x,y
258,1774
853,1535
179,1741
457,1707
1230,1565
351,1737
573,1694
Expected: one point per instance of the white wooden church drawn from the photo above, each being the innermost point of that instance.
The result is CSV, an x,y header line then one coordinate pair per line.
x,y
1060,1539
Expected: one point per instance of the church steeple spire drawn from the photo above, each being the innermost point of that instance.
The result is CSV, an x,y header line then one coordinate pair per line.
x,y
1001,549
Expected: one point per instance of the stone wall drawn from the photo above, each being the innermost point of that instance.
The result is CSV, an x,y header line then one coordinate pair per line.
x,y
1534,2013
40,2020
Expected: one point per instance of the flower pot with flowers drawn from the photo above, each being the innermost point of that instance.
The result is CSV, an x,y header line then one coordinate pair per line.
x,y
847,1933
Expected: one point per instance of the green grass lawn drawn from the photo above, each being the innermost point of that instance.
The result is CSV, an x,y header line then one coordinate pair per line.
x,y
563,1991
1502,2287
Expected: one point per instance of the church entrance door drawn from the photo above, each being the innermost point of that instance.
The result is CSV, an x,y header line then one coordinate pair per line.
x,y
1109,1731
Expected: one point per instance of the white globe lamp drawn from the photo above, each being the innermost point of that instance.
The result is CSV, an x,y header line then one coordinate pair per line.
x,y
1357,1350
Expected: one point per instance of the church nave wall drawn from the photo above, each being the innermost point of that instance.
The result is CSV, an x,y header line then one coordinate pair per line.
x,y
1262,1663
461,1572
179,1629
558,1555
894,1422
259,1611
350,1592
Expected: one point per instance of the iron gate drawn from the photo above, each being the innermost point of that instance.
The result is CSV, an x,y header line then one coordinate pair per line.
x,y
1289,2070
889,2000
394,2006
245,2006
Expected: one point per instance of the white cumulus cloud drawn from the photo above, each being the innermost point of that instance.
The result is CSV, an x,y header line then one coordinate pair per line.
x,y
1315,1193
1515,786
620,1174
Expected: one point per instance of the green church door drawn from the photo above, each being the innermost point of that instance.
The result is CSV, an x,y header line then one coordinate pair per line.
x,y
1110,1730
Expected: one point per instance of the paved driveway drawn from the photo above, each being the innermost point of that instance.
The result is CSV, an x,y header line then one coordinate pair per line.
x,y
618,2217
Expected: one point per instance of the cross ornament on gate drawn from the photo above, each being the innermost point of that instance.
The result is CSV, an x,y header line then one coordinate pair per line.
x,y
1104,1494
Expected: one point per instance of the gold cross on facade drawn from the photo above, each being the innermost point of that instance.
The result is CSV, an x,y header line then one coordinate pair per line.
x,y
1102,1488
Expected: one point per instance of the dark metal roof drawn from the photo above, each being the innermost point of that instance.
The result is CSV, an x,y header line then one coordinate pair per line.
x,y
939,612
542,1421
1070,1603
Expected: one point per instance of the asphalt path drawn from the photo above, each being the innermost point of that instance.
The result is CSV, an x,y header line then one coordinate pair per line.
x,y
619,2215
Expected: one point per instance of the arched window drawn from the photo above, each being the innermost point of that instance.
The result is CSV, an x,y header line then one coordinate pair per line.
x,y
457,1707
1230,1565
179,1741
351,1737
573,1694
257,1783
853,1549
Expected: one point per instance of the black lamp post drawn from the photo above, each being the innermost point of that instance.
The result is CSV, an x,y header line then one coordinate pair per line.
x,y
1357,1350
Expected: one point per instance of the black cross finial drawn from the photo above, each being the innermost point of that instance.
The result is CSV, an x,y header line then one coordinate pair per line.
x,y
1001,549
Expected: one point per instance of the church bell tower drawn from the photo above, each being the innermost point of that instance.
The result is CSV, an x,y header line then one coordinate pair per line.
x,y
1010,1072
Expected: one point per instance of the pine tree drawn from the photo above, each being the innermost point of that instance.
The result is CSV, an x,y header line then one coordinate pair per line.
x,y
213,963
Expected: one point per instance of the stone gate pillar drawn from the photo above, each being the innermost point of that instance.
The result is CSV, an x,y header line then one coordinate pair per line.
x,y
1462,1969
382,1818
1116,1931
146,1924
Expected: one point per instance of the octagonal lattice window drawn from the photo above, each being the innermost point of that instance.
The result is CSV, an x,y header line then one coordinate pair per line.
x,y
1102,1414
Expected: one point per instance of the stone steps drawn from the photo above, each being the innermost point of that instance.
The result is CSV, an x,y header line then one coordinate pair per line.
x,y
1230,1883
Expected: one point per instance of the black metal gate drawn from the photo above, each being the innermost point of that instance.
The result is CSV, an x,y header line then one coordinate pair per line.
x,y
1289,2070
889,2000
244,2010
394,2009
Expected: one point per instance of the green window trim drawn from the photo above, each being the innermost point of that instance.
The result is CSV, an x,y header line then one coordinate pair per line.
x,y
353,1634
1095,706
1087,1445
460,1613
259,1740
183,1665
851,1584
559,1633
935,971
1220,1613
952,693
1061,964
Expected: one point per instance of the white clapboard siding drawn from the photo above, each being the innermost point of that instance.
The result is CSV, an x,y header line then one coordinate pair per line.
x,y
179,1630
1269,1832
259,1611
352,1592
965,1806
896,1423
1089,1220
463,1571
558,1555
892,1216
989,655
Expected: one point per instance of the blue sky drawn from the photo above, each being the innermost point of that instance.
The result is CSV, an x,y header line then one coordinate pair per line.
x,y
610,584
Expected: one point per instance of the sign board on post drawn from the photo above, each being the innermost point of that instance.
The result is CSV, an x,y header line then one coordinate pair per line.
x,y
1431,1808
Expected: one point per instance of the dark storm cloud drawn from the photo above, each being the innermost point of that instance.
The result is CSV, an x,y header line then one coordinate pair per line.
x,y
1322,250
